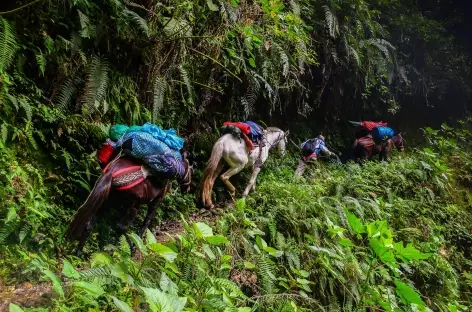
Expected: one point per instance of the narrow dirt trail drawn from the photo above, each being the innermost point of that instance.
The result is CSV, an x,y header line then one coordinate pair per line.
x,y
25,295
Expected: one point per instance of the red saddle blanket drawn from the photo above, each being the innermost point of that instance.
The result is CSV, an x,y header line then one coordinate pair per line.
x,y
366,141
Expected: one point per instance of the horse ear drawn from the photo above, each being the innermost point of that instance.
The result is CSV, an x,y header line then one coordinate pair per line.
x,y
287,133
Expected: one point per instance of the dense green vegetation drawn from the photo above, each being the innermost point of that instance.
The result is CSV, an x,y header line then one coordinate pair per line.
x,y
391,236
382,237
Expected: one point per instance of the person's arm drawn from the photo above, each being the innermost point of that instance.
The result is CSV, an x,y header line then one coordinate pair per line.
x,y
325,150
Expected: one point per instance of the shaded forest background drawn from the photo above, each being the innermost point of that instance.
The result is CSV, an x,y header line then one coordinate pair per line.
x,y
69,69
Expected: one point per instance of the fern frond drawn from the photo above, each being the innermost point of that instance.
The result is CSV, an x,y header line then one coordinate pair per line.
x,y
138,20
228,12
66,92
354,55
249,100
159,89
41,61
383,45
124,248
87,29
13,101
29,134
229,285
23,102
8,44
302,52
96,85
295,7
283,59
267,86
266,272
331,22
7,229
25,231
247,108
188,84
4,132
98,272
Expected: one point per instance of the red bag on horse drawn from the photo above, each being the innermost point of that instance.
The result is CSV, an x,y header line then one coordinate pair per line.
x,y
105,152
369,125
240,125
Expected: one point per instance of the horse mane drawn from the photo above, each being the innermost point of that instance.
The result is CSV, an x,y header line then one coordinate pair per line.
x,y
273,129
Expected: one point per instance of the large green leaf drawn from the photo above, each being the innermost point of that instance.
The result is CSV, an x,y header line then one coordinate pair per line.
x,y
93,289
163,251
217,240
209,252
407,294
159,301
120,270
121,305
138,242
15,308
384,253
355,224
409,253
261,243
202,230
273,252
150,238
167,285
56,282
69,271
101,258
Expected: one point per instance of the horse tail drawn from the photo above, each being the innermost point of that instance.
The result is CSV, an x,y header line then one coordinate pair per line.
x,y
91,206
212,170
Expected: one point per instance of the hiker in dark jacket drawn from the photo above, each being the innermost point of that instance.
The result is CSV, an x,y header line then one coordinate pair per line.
x,y
311,150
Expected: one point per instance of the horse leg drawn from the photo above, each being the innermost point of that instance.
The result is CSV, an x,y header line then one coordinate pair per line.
x,y
151,213
84,236
225,179
252,181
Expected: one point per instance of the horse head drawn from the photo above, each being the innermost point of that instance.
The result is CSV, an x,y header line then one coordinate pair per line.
x,y
399,142
277,138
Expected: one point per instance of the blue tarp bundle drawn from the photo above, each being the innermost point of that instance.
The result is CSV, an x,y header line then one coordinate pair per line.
x,y
157,147
256,130
382,133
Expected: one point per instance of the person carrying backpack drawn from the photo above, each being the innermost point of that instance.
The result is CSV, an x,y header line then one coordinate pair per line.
x,y
311,150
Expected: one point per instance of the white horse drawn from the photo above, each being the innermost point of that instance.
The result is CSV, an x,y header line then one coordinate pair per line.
x,y
236,154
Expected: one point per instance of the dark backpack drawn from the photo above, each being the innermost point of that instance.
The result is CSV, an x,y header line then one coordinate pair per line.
x,y
309,147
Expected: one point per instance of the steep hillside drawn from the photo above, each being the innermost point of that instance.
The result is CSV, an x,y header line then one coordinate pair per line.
x,y
382,236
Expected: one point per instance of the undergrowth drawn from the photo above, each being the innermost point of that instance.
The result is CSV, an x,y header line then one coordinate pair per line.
x,y
382,236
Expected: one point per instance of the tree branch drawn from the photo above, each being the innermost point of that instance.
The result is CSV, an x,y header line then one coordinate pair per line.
x,y
20,8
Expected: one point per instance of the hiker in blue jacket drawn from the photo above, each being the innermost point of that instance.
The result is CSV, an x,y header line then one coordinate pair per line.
x,y
311,150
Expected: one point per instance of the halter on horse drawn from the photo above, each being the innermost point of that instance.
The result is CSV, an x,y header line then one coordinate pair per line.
x,y
126,181
365,148
235,153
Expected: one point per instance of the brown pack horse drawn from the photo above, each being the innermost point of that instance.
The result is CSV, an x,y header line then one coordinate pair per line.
x,y
365,148
124,181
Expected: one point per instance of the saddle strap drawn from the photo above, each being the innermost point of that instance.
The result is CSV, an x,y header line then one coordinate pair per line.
x,y
258,162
